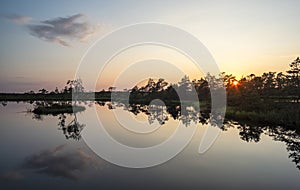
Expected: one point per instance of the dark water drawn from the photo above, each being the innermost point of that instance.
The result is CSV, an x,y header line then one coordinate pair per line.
x,y
37,153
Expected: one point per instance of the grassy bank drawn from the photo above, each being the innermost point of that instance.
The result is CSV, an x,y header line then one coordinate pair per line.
x,y
87,96
55,109
281,117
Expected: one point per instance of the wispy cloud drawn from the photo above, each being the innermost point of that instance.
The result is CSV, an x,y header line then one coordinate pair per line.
x,y
63,29
17,18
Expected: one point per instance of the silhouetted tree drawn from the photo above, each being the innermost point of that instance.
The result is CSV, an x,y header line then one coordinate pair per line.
x,y
74,86
43,91
294,74
56,91
111,88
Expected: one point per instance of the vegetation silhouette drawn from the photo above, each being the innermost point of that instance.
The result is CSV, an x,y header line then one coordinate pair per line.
x,y
55,107
187,114
71,130
270,99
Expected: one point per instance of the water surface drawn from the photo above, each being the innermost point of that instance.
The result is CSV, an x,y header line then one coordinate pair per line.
x,y
37,153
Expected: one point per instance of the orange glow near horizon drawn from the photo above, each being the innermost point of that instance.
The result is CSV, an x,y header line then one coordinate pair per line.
x,y
235,83
138,64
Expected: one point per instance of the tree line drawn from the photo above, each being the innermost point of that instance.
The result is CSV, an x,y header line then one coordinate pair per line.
x,y
71,86
268,85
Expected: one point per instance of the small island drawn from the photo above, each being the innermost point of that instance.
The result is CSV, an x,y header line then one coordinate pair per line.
x,y
56,108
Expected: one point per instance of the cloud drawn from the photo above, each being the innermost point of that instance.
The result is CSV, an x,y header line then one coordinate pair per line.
x,y
17,18
12,176
60,163
56,162
63,29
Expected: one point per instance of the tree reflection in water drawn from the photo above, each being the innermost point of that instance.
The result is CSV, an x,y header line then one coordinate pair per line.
x,y
252,133
71,130
157,112
248,133
291,139
188,114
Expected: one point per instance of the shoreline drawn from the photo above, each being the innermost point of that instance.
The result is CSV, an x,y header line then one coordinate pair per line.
x,y
287,116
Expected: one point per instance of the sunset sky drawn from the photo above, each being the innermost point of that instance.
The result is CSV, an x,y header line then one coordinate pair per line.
x,y
42,42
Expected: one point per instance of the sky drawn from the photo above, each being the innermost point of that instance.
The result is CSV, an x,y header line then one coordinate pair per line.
x,y
43,42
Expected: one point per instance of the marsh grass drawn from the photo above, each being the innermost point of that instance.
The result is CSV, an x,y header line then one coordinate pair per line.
x,y
56,109
284,117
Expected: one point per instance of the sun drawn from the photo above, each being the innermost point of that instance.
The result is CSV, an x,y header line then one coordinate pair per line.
x,y
235,83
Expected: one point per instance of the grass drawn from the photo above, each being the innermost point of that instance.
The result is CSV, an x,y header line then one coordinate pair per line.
x,y
56,109
283,117
87,96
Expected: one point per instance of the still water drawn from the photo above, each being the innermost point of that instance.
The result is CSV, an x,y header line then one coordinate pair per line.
x,y
39,152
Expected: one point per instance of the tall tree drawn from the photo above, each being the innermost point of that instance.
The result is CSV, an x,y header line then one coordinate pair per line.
x,y
294,74
75,86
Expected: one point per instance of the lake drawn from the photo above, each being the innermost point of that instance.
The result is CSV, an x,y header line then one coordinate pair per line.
x,y
39,152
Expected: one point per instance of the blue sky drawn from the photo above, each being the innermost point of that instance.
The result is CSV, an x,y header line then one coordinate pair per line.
x,y
243,36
